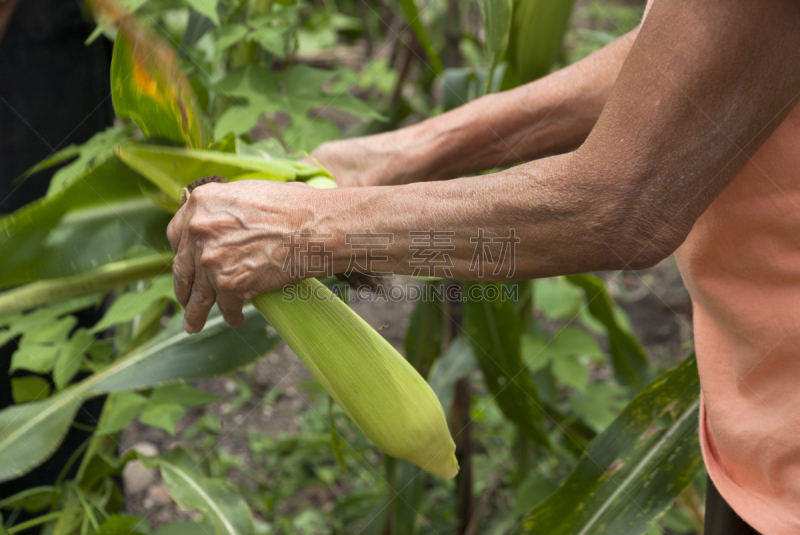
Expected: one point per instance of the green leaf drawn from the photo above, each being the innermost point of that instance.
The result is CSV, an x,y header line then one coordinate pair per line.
x,y
171,169
131,304
191,490
557,299
598,404
496,26
122,525
570,371
162,415
635,469
493,328
207,8
149,87
112,274
456,363
29,433
55,331
531,492
423,341
237,120
29,388
537,33
70,359
627,355
121,408
37,358
412,15
229,35
93,219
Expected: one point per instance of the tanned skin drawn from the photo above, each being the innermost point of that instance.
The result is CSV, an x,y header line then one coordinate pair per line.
x,y
662,120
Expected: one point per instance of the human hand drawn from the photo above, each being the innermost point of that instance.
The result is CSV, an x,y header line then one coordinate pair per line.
x,y
379,160
228,241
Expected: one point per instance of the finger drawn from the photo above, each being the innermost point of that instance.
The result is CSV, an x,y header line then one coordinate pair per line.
x,y
231,307
175,230
200,303
183,274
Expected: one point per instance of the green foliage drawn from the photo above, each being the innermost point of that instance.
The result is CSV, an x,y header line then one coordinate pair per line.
x,y
633,470
255,68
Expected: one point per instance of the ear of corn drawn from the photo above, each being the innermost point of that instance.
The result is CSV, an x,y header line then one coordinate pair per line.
x,y
383,394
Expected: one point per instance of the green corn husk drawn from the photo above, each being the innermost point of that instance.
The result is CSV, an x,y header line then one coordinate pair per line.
x,y
383,394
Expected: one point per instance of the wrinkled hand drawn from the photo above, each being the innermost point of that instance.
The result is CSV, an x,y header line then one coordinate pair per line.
x,y
228,241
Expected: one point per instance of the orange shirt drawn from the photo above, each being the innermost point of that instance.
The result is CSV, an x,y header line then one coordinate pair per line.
x,y
741,265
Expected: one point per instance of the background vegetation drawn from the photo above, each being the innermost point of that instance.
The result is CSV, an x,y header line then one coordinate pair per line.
x,y
563,422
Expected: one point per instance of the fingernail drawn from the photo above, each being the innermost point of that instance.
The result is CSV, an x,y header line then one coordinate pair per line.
x,y
187,327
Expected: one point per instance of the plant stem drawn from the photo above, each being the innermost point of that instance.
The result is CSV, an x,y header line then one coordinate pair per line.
x,y
33,522
112,274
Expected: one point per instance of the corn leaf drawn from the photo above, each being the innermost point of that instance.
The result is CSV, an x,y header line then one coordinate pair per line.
x,y
537,33
112,274
423,341
30,433
627,355
149,87
94,219
171,169
494,331
413,17
634,470
497,26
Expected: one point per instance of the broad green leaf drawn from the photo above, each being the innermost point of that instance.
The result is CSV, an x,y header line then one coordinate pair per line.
x,y
423,341
531,492
171,169
162,415
29,433
599,404
412,16
29,388
456,363
94,219
635,469
537,33
237,120
557,298
121,408
192,490
229,35
493,329
627,355
496,26
149,87
37,358
207,8
570,371
132,303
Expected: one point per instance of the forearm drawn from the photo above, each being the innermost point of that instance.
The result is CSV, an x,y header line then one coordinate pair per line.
x,y
549,213
548,116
